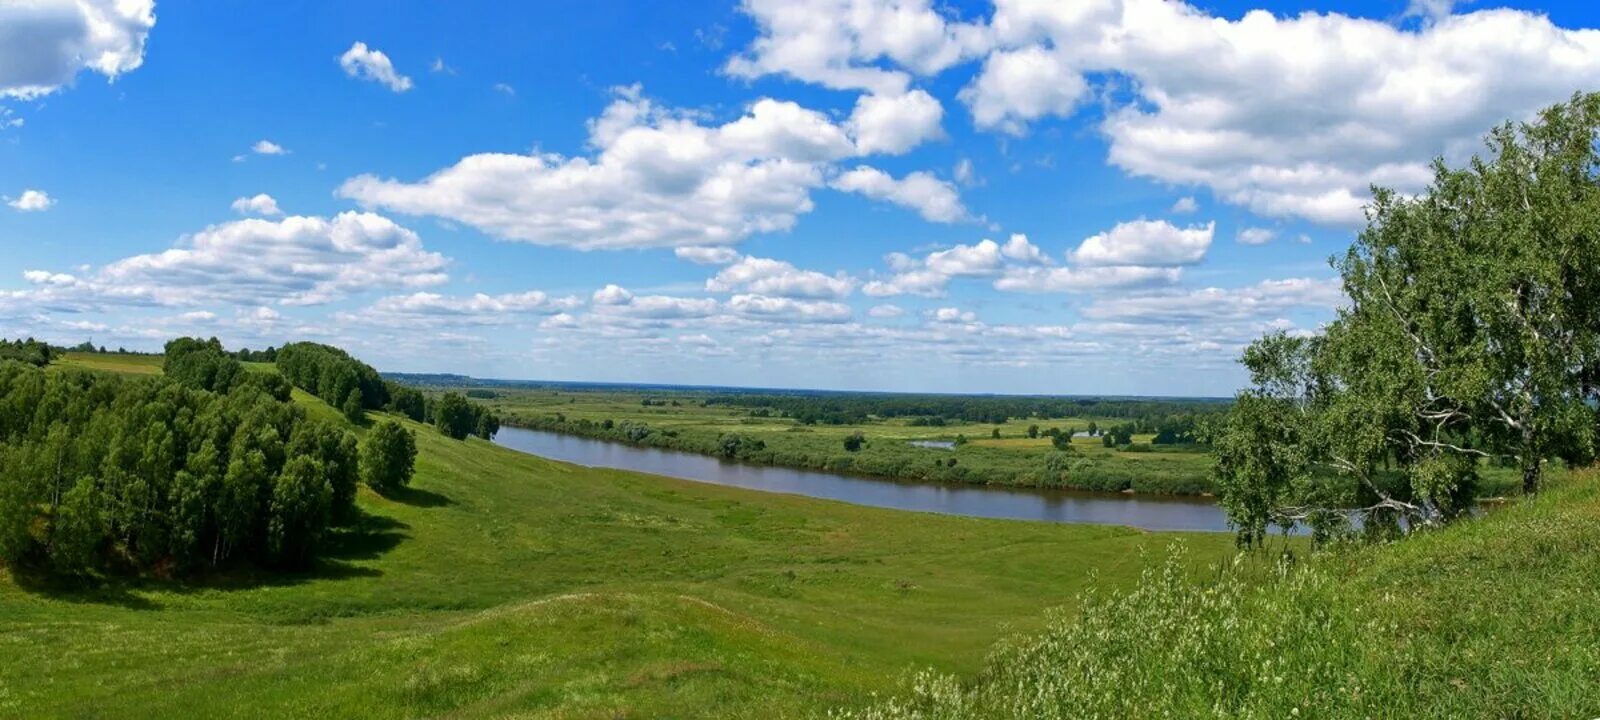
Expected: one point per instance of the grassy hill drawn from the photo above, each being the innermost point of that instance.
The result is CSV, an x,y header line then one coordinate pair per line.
x,y
503,584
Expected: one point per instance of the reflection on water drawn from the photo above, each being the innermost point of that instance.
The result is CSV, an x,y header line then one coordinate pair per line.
x,y
1065,506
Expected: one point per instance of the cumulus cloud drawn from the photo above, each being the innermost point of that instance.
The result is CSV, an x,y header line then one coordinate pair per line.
x,y
707,255
294,261
618,301
659,179
44,44
893,124
886,310
364,63
1146,242
1286,116
268,147
1185,205
259,204
760,307
1085,279
934,199
840,43
1019,86
929,276
764,276
1256,236
952,315
31,201
476,309
1264,300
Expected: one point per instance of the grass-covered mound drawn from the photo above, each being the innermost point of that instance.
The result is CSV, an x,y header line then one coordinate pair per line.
x,y
499,584
1494,617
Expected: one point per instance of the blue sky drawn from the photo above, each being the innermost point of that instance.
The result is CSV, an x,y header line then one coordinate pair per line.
x,y
792,194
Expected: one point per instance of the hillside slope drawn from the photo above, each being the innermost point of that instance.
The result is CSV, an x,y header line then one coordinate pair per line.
x,y
1498,616
503,584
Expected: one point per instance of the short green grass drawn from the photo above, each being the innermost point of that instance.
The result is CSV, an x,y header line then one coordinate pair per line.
x,y
507,585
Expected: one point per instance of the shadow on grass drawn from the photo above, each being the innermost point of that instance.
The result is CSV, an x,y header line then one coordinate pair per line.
x,y
417,497
364,537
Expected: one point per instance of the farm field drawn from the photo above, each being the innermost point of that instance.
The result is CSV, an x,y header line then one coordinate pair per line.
x,y
503,584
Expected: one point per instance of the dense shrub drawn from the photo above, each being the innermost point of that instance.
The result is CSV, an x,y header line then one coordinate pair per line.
x,y
456,418
389,456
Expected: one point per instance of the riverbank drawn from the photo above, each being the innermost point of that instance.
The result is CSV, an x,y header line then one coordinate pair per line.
x,y
903,453
1149,512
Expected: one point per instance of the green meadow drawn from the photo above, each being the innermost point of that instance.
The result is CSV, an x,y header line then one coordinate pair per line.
x,y
501,584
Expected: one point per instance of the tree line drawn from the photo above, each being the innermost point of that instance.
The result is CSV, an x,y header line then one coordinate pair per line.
x,y
203,466
938,410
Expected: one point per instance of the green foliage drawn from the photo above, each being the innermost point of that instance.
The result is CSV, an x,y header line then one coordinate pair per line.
x,y
407,401
389,456
1472,339
103,473
854,441
454,417
28,351
201,364
331,374
299,512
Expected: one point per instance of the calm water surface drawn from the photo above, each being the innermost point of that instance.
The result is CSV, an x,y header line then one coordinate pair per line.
x,y
1064,506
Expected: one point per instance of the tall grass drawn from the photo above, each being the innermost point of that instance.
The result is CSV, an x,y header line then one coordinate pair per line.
x,y
1498,617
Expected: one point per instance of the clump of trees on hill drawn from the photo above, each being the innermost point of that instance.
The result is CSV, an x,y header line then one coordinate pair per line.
x,y
1471,337
107,473
28,351
456,417
389,456
329,373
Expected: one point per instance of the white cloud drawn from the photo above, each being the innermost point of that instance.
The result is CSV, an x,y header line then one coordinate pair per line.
x,y
294,261
505,89
764,276
838,43
426,303
1287,116
260,204
1256,236
1263,301
1019,249
706,255
886,310
1016,87
618,301
268,147
44,44
366,63
893,124
929,276
760,307
31,201
1084,279
1146,242
935,199
659,180
952,315
1185,205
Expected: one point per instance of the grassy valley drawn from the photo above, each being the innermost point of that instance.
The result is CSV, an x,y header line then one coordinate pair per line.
x,y
504,584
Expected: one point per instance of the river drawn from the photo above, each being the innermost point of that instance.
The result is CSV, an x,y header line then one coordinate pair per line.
x,y
1151,512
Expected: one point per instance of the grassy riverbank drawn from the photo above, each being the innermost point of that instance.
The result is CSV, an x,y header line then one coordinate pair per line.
x,y
507,584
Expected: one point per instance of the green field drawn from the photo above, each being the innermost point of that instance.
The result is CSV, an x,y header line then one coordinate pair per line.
x,y
1014,459
503,584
